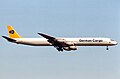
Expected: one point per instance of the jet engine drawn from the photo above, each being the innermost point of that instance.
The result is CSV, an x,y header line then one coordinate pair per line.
x,y
70,48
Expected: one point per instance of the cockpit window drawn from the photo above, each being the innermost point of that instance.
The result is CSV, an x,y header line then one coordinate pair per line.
x,y
112,40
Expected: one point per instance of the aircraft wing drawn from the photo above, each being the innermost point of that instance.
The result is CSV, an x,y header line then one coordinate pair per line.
x,y
59,43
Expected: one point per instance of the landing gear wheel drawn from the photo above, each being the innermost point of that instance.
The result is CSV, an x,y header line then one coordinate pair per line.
x,y
60,49
107,48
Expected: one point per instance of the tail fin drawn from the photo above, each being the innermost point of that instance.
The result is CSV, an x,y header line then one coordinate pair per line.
x,y
12,33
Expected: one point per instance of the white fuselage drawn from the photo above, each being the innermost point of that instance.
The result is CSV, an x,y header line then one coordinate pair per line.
x,y
75,41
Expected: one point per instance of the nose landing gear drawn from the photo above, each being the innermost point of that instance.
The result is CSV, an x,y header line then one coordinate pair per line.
x,y
107,48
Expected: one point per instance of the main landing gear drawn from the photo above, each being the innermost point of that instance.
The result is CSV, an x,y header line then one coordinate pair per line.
x,y
107,48
59,48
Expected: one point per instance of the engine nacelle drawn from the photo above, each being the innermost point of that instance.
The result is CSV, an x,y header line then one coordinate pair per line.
x,y
70,48
61,40
70,44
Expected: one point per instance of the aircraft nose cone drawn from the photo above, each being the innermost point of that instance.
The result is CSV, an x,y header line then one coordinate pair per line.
x,y
115,43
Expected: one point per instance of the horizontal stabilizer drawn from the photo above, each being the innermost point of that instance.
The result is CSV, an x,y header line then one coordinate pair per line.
x,y
9,39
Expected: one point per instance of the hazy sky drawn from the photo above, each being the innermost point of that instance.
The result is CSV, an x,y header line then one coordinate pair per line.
x,y
60,18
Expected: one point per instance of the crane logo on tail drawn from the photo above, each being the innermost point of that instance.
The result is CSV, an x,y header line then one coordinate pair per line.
x,y
11,31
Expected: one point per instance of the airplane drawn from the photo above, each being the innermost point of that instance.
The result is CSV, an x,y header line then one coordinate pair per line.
x,y
60,44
